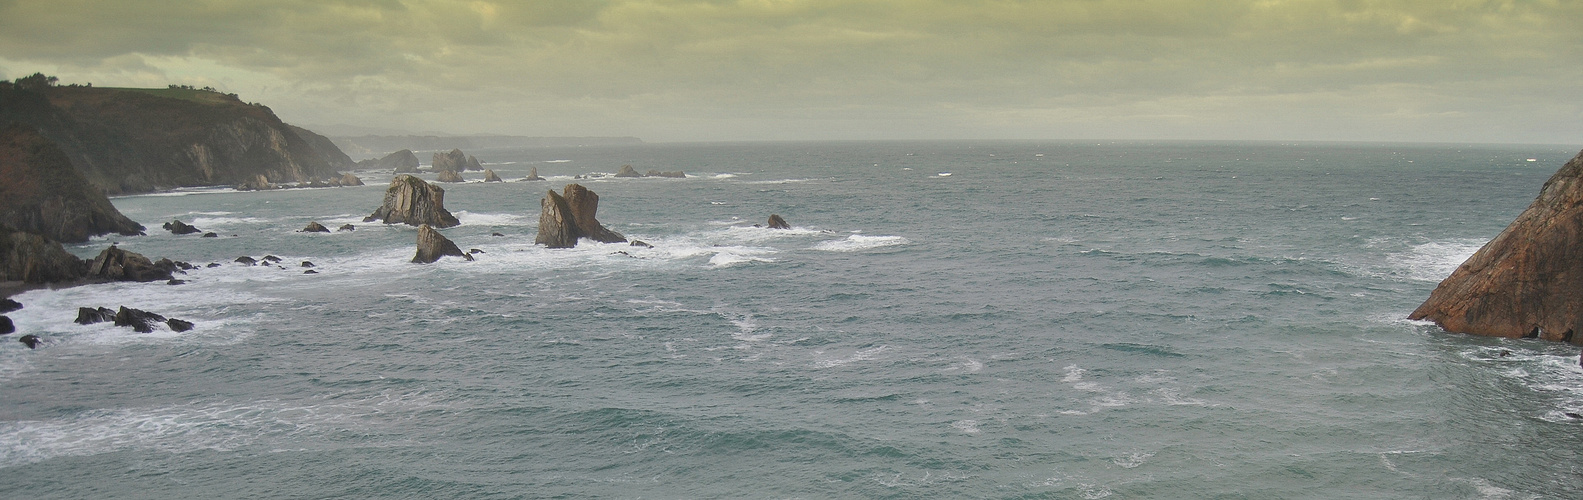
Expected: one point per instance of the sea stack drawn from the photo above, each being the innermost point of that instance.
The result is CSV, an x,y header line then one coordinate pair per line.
x,y
533,174
489,176
776,222
449,176
432,245
455,160
1528,281
413,202
627,171
565,218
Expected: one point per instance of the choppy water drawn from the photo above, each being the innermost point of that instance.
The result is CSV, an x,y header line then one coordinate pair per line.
x,y
1049,320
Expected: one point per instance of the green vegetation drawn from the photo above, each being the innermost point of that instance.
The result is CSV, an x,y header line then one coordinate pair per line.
x,y
183,93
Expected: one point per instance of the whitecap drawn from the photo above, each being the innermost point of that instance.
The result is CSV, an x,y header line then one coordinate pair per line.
x,y
858,242
492,219
859,355
1435,260
966,426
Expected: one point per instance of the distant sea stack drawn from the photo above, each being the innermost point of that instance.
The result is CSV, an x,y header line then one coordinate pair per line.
x,y
413,202
454,160
565,218
141,140
1528,281
41,193
401,162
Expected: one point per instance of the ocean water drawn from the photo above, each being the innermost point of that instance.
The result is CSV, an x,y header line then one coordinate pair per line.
x,y
945,320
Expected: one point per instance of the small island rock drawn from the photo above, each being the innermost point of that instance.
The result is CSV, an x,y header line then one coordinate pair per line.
x,y
776,222
627,171
411,201
489,176
432,245
179,227
315,227
449,176
533,174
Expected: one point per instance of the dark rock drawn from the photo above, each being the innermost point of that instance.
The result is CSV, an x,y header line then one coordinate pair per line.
x,y
8,305
215,264
247,260
627,171
315,227
533,174
449,176
776,222
400,162
42,193
655,173
432,245
174,281
310,271
346,227
141,321
584,205
474,251
1527,281
496,234
489,176
256,183
641,243
411,201
556,226
564,219
325,148
89,315
120,265
185,266
453,160
307,264
179,227
31,341
346,180
210,235
473,163
31,258
270,259
1573,415
6,326
177,325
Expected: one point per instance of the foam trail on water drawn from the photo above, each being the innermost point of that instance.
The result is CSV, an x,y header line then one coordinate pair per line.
x,y
858,243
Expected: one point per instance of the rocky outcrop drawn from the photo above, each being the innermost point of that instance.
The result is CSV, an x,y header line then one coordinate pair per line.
x,y
675,175
454,160
627,171
42,193
567,217
489,176
449,176
31,258
6,327
401,162
413,202
257,183
533,174
346,227
315,227
89,315
322,145
178,227
8,305
1528,281
31,341
116,264
776,222
346,180
473,164
432,245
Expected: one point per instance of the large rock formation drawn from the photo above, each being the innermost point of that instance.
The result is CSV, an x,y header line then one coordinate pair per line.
x,y
322,145
1528,281
449,176
432,245
141,140
489,176
116,264
472,163
401,162
454,160
40,192
627,171
565,218
31,258
413,202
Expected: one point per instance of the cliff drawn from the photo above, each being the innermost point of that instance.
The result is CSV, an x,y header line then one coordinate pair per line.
x,y
41,193
1528,281
141,140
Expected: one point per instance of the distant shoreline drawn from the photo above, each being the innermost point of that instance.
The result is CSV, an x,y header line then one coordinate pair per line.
x,y
378,145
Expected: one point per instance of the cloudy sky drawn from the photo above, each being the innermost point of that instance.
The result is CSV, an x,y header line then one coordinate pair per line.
x,y
705,70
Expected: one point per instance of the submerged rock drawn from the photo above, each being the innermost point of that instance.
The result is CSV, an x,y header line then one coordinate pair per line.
x,y
31,341
533,174
346,227
564,219
179,227
1528,280
315,227
432,245
776,222
411,201
489,176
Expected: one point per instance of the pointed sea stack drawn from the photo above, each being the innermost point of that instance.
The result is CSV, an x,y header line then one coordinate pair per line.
x,y
413,202
489,176
585,204
1528,281
432,245
533,174
472,163
455,160
555,223
776,222
566,218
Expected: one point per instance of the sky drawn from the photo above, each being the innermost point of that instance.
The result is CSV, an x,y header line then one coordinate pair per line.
x,y
1479,71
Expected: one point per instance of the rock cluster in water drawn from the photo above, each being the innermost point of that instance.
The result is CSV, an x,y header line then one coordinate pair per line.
x,y
413,202
628,171
567,217
1528,281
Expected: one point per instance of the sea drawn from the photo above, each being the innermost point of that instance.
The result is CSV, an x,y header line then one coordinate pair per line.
x,y
964,319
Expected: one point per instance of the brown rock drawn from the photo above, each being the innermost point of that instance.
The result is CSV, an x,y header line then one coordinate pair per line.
x,y
472,163
489,176
776,222
584,205
556,229
31,258
42,193
566,218
315,227
449,176
411,201
179,227
432,245
454,160
120,265
256,183
627,171
1528,281
347,180
533,174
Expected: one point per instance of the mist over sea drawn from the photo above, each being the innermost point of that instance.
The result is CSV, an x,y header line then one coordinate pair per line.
x,y
945,320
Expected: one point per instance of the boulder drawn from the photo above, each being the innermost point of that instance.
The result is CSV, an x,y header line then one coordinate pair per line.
x,y
454,160
565,218
533,174
31,258
89,315
315,227
1528,280
8,305
120,265
177,325
256,183
346,227
655,173
306,264
411,201
432,245
141,321
210,235
179,227
400,162
472,163
776,222
6,326
489,176
270,259
31,341
640,243
42,193
246,260
449,176
627,171
346,180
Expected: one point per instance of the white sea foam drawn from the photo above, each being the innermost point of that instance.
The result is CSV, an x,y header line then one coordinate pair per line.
x,y
869,354
1435,260
493,219
205,223
858,243
1073,374
966,426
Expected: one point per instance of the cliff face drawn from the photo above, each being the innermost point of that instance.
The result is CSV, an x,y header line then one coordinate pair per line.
x,y
41,193
1528,281
140,140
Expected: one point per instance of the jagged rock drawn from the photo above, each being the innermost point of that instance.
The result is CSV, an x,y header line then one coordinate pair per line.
x,y
213,264
42,193
564,219
472,163
584,205
400,162
449,176
496,234
533,174
556,229
346,227
256,183
141,321
627,171
120,265
1528,280
31,258
89,315
432,245
454,160
6,326
270,259
177,325
210,235
31,341
179,227
315,227
411,201
8,305
474,251
776,222
247,260
306,264
489,176
641,243
655,173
